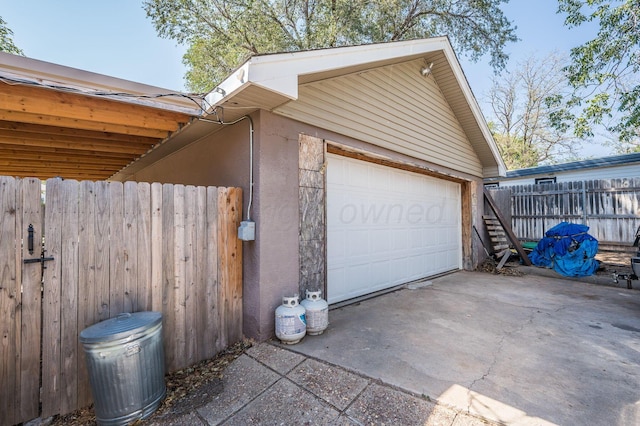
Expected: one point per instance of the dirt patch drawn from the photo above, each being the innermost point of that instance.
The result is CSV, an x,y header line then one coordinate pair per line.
x,y
187,390
614,263
610,262
509,268
615,258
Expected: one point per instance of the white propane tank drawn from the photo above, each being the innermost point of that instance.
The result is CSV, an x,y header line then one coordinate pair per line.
x,y
291,323
317,312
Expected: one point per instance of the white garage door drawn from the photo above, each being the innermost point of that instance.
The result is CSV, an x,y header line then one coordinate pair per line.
x,y
386,227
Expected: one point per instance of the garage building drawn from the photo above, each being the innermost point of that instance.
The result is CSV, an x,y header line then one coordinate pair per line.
x,y
361,166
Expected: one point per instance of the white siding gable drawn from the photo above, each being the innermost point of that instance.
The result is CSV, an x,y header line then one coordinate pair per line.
x,y
394,107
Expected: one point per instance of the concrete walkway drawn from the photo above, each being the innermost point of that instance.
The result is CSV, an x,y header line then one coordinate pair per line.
x,y
274,386
465,349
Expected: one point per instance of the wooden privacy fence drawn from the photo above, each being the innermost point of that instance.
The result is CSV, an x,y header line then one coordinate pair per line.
x,y
611,208
116,247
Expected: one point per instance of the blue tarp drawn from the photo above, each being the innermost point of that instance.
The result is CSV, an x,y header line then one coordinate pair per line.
x,y
568,249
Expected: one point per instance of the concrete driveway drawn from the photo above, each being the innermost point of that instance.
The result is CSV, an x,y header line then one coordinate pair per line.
x,y
516,350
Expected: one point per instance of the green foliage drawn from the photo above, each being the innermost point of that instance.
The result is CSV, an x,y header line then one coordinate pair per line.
x,y
515,151
221,34
6,40
605,71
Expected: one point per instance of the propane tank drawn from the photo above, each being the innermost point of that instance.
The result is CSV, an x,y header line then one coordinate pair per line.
x,y
291,323
317,312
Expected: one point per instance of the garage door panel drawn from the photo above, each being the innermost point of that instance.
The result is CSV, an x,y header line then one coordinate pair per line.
x,y
358,176
358,275
357,243
380,272
336,244
380,241
387,226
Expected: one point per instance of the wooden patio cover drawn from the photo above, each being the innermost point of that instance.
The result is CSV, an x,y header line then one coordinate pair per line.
x,y
47,132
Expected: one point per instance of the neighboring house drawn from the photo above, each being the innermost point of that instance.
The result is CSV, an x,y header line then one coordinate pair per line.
x,y
362,168
613,167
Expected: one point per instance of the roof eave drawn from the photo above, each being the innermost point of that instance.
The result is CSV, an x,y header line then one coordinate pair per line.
x,y
499,166
42,73
281,73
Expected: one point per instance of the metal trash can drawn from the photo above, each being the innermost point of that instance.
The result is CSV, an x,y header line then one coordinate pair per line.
x,y
125,360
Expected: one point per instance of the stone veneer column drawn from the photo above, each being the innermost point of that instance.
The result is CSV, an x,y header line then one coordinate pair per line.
x,y
312,232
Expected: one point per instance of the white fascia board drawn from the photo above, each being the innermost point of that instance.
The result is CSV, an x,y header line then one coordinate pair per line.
x,y
475,109
284,66
233,84
279,72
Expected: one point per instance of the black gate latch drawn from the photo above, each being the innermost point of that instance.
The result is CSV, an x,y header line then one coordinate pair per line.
x,y
40,259
30,244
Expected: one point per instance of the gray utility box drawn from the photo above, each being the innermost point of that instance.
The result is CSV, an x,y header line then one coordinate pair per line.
x,y
125,360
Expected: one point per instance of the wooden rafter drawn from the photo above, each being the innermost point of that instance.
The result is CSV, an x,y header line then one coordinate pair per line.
x,y
46,133
75,123
73,143
47,102
8,128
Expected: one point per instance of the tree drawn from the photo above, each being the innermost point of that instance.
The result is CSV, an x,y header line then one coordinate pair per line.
x,y
6,41
521,119
605,71
221,34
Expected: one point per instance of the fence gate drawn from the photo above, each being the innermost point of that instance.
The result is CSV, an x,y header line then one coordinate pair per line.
x,y
99,249
20,301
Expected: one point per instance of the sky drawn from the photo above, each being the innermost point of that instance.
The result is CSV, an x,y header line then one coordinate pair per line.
x,y
116,38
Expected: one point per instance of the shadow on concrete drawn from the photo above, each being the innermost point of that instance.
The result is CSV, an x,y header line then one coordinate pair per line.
x,y
514,350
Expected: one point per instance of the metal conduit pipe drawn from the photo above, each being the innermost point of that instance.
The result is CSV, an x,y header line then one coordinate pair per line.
x,y
246,231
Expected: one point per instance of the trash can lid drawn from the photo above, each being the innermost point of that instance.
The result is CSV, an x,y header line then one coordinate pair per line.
x,y
120,327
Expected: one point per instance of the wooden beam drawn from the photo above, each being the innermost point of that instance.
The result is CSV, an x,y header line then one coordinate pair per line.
x,y
46,174
333,149
57,170
52,120
504,256
23,157
507,228
14,128
21,138
469,258
49,102
97,146
96,163
16,151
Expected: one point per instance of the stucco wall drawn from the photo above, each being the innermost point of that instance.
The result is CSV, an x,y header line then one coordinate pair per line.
x,y
271,266
271,263
277,225
221,159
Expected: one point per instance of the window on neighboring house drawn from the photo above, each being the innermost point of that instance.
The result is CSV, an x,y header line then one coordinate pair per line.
x,y
492,185
546,180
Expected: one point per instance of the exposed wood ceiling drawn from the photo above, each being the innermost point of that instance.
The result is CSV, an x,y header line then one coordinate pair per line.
x,y
48,133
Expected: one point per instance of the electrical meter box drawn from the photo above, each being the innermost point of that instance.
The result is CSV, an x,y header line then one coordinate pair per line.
x,y
247,230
